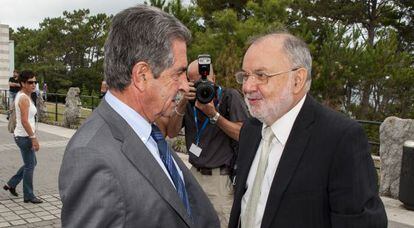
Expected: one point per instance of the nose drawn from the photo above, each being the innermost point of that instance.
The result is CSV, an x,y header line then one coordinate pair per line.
x,y
249,85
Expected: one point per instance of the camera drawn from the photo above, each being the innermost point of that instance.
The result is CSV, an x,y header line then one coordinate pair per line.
x,y
205,89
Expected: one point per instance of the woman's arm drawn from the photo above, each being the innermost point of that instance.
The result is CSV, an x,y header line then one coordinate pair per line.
x,y
24,105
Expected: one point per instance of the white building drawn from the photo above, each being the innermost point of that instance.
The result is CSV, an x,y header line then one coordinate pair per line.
x,y
6,56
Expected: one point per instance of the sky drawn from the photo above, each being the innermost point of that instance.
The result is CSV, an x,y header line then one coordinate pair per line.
x,y
29,13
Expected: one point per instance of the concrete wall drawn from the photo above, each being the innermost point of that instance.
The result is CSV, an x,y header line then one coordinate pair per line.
x,y
6,57
11,56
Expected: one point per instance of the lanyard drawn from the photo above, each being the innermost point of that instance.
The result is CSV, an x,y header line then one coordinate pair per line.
x,y
216,104
219,94
199,131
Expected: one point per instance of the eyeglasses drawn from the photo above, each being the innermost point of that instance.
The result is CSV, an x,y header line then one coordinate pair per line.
x,y
261,77
31,82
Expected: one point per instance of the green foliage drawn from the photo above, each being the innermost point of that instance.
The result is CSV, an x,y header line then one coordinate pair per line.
x,y
226,36
362,50
65,51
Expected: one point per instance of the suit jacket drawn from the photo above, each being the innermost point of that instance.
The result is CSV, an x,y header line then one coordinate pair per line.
x,y
325,177
108,178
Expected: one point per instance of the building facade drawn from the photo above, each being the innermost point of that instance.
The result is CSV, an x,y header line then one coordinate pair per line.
x,y
6,56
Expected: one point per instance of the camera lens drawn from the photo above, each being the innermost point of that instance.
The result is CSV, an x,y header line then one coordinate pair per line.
x,y
205,92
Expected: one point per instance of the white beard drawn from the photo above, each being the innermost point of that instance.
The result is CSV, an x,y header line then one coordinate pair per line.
x,y
273,108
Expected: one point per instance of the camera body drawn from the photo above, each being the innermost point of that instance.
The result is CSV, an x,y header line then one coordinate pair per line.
x,y
205,89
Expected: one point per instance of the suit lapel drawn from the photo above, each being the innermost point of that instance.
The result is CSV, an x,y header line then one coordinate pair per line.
x,y
250,136
295,146
138,154
249,147
144,162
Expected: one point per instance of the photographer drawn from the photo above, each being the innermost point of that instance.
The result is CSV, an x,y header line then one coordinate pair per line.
x,y
14,88
211,135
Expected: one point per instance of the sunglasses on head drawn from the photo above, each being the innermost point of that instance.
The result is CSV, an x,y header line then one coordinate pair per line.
x,y
31,82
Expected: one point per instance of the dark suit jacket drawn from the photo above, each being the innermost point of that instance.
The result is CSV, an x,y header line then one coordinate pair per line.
x,y
325,177
108,178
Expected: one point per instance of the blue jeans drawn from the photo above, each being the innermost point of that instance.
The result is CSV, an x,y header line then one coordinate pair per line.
x,y
26,171
12,96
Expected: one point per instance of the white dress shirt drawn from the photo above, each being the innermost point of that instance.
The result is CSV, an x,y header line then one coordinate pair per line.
x,y
281,128
142,128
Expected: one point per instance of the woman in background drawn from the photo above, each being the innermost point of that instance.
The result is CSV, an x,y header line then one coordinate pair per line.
x,y
24,135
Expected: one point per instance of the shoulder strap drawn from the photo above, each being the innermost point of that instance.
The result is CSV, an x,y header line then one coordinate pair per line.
x,y
224,104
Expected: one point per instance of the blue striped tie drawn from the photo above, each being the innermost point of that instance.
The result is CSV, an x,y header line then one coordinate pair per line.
x,y
167,159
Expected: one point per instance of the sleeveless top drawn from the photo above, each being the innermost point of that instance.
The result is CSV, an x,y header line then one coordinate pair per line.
x,y
19,130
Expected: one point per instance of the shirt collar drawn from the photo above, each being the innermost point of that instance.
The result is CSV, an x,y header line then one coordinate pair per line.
x,y
282,127
141,127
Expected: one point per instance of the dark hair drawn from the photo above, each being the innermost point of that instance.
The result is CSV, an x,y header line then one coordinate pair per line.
x,y
140,33
25,75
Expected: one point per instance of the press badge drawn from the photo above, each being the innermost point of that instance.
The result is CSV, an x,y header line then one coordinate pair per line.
x,y
196,150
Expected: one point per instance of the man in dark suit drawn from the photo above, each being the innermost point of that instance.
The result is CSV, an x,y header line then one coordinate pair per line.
x,y
118,170
300,164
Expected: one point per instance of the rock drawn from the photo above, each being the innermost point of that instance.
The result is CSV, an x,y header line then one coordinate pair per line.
x,y
393,133
41,109
178,143
72,107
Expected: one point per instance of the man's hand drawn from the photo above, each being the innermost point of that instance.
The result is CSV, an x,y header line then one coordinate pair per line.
x,y
174,124
208,109
35,144
190,95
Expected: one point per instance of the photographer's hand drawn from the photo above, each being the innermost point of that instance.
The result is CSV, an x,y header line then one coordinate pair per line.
x,y
231,129
188,96
208,109
176,120
191,94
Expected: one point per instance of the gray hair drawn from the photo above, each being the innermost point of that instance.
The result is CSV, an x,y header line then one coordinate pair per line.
x,y
140,33
296,50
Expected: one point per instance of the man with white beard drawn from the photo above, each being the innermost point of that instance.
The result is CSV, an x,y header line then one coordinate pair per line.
x,y
300,164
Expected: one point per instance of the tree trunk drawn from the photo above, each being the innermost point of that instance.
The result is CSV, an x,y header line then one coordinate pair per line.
x,y
366,94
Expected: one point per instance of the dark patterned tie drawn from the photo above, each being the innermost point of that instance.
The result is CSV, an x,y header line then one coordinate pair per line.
x,y
167,159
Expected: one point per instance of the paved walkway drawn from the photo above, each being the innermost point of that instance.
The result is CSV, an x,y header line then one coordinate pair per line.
x,y
53,140
15,213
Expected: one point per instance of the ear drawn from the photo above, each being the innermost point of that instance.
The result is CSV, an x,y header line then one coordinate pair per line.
x,y
140,73
300,80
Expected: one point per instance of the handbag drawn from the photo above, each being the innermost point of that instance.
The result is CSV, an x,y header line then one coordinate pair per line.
x,y
12,121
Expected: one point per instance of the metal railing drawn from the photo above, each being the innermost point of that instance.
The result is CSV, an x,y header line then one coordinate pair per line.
x,y
4,99
372,130
54,98
58,101
55,103
91,102
372,126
